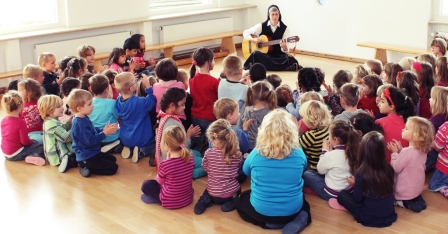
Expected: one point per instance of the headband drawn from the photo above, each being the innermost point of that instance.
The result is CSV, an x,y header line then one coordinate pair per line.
x,y
386,94
399,76
417,66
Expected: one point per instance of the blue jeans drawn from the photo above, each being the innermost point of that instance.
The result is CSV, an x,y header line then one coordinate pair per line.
x,y
438,181
151,146
431,159
37,136
316,182
35,149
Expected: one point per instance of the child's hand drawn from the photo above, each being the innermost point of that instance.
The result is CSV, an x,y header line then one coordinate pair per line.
x,y
152,61
287,96
326,145
110,128
394,146
247,123
370,112
327,87
193,131
103,68
246,80
145,81
351,180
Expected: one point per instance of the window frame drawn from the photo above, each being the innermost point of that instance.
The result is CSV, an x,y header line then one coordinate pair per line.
x,y
174,10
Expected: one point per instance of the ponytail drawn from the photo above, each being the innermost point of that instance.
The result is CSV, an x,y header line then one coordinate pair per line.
x,y
403,104
348,136
173,139
11,101
261,91
222,131
249,99
200,57
272,100
192,70
185,154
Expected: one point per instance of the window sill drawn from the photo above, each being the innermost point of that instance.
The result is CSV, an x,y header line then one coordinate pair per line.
x,y
438,22
123,22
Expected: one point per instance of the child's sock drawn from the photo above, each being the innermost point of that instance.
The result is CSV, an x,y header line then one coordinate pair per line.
x,y
36,160
126,152
333,202
412,205
297,224
444,191
135,154
148,200
399,203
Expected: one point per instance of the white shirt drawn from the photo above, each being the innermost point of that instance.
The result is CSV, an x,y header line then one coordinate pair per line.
x,y
334,165
256,30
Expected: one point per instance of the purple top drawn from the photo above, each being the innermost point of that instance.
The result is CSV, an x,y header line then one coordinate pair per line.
x,y
437,121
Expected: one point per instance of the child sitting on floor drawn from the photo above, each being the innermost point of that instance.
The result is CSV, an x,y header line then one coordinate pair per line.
x,y
31,91
349,101
231,86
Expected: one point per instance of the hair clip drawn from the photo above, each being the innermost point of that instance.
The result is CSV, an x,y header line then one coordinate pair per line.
x,y
386,94
417,66
215,135
228,128
182,145
194,63
399,76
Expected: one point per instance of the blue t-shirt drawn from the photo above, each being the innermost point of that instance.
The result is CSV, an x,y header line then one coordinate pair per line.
x,y
103,113
276,184
135,127
86,138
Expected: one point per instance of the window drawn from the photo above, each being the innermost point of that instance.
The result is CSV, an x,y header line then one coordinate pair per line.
x,y
28,13
444,7
160,7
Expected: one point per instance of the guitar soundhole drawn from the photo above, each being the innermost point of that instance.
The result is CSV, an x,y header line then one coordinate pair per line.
x,y
259,45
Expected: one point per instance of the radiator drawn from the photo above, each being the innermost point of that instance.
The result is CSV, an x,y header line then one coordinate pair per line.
x,y
102,43
177,32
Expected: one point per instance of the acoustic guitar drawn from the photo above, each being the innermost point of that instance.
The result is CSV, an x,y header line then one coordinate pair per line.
x,y
264,46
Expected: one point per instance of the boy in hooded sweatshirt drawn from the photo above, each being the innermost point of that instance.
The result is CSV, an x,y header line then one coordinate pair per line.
x,y
135,127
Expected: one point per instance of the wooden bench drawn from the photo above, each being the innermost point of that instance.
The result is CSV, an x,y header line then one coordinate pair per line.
x,y
381,48
227,47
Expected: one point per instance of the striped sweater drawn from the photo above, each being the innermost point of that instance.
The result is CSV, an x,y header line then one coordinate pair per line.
x,y
222,177
175,177
311,143
440,143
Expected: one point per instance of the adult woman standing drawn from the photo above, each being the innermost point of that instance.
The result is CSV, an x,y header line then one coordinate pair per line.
x,y
277,59
276,166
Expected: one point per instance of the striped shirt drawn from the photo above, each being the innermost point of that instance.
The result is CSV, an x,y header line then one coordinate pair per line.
x,y
311,143
222,177
175,177
440,143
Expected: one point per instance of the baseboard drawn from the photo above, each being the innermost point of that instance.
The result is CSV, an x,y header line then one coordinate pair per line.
x,y
329,56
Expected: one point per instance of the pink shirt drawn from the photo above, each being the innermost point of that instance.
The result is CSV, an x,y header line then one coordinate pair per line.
x,y
440,144
161,87
31,115
392,125
409,167
14,135
116,67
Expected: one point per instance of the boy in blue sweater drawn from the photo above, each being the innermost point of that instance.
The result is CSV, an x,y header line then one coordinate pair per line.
x,y
104,112
87,139
135,127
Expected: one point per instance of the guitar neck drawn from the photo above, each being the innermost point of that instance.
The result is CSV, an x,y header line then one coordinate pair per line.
x,y
274,42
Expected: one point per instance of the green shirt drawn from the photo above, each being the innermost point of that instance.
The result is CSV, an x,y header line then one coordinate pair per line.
x,y
57,141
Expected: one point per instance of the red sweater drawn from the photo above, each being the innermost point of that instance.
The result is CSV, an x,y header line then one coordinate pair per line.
x,y
369,103
392,125
31,115
425,108
204,92
14,135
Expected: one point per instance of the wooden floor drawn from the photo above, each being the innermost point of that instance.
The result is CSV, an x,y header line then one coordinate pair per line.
x,y
40,199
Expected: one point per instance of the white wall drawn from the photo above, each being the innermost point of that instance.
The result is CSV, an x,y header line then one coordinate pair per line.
x,y
339,26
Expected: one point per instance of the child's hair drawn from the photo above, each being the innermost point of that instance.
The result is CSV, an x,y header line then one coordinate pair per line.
x,y
442,70
223,107
261,91
439,96
110,74
365,123
277,136
310,78
43,58
200,57
341,77
232,65
68,84
377,173
173,139
13,84
407,81
115,55
183,76
131,44
47,104
257,72
74,67
172,95
83,49
425,77
406,63
31,71
278,92
33,89
375,66
311,95
391,70
78,98
315,114
63,63
98,83
348,136
274,80
123,82
430,58
350,94
381,89
423,136
11,101
362,70
166,69
85,81
373,82
403,104
136,38
222,131
441,43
